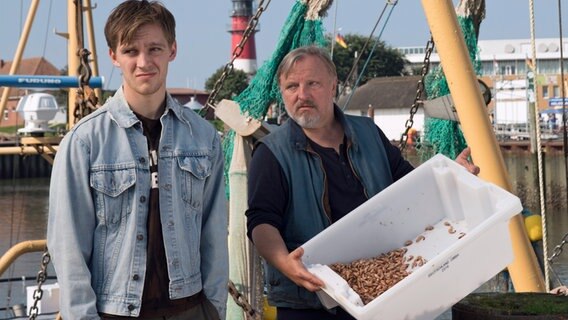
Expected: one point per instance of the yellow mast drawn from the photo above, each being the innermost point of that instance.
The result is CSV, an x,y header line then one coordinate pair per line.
x,y
73,58
19,51
476,126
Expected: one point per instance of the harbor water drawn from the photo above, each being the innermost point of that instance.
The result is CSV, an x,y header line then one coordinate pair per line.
x,y
24,206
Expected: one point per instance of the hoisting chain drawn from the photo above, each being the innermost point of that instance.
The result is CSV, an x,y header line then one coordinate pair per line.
x,y
558,249
556,253
420,87
242,302
40,279
238,297
228,68
86,100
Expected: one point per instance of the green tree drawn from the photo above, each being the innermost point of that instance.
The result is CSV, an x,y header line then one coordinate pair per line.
x,y
235,83
385,61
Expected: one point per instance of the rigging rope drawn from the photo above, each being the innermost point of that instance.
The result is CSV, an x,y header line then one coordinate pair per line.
x,y
377,41
533,68
47,28
18,202
356,62
334,34
12,221
563,89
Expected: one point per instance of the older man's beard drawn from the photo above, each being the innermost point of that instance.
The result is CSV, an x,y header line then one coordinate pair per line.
x,y
305,119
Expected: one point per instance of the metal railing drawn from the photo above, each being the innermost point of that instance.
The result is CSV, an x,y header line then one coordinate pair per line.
x,y
20,249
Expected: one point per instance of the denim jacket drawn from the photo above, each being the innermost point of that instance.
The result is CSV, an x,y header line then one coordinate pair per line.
x,y
98,210
307,210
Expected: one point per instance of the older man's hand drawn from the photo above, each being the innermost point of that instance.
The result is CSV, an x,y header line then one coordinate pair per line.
x,y
463,159
561,291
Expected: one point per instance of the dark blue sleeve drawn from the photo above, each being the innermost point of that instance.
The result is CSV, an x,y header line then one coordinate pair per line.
x,y
267,190
398,165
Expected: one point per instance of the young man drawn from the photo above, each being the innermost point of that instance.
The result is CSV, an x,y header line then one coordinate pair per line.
x,y
309,173
137,215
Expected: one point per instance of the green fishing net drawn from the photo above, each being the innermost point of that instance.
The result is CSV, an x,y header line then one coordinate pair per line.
x,y
440,135
263,89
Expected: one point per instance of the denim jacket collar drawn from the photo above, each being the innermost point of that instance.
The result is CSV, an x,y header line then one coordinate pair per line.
x,y
124,116
300,141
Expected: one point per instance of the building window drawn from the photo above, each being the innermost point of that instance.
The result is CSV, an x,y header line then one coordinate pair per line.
x,y
556,90
545,94
5,114
508,70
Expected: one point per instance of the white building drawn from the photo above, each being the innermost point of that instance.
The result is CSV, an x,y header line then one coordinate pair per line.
x,y
388,101
505,57
503,68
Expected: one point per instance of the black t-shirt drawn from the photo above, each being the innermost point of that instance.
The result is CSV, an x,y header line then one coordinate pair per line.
x,y
155,298
156,281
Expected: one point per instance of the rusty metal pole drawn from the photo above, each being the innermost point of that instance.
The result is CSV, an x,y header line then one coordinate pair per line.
x,y
476,126
92,45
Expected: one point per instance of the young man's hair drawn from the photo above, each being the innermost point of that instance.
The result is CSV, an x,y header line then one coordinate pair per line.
x,y
298,54
129,16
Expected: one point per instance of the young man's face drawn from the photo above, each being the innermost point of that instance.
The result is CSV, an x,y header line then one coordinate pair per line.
x,y
144,62
307,92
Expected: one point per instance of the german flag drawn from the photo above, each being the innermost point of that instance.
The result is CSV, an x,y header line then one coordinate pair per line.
x,y
340,41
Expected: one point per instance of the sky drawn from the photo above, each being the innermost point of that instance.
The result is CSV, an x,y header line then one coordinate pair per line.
x,y
204,44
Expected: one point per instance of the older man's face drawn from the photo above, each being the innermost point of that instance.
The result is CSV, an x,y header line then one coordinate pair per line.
x,y
308,91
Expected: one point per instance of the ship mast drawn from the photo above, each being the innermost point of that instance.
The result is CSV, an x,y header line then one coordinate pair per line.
x,y
441,16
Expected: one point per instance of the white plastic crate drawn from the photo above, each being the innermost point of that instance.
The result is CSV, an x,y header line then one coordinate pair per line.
x,y
438,193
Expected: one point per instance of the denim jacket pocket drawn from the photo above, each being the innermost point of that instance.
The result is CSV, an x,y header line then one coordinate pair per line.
x,y
112,194
195,169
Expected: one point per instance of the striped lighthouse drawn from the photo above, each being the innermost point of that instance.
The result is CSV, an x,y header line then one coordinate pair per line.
x,y
240,16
